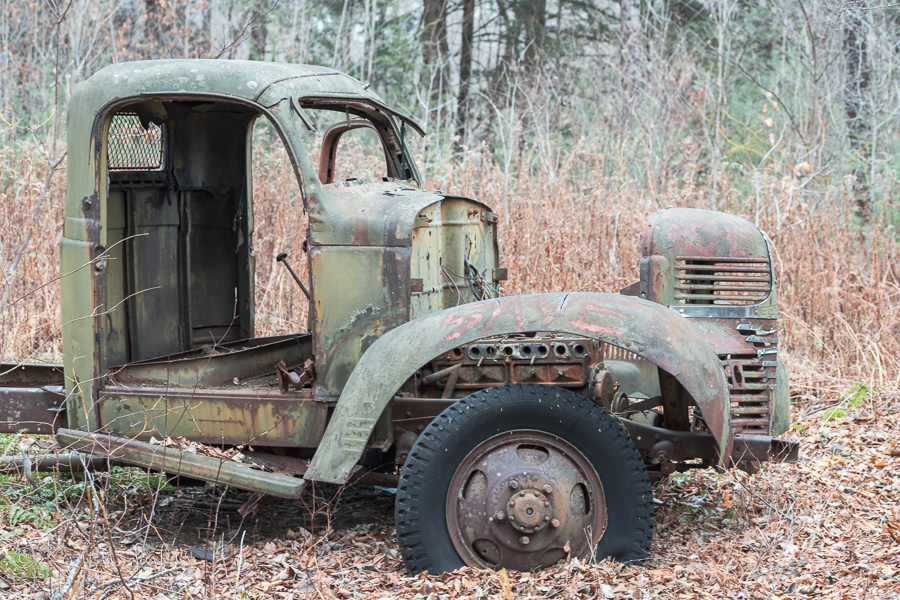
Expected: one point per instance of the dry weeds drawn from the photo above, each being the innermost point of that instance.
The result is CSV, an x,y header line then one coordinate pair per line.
x,y
574,228
826,527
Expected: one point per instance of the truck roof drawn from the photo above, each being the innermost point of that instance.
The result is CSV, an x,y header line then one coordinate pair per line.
x,y
244,79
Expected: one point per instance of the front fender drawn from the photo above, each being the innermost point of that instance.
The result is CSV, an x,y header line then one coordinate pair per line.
x,y
653,332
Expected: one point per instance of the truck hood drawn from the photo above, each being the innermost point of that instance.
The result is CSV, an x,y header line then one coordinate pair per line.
x,y
373,212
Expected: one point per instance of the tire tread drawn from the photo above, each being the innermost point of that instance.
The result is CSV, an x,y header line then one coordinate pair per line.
x,y
464,412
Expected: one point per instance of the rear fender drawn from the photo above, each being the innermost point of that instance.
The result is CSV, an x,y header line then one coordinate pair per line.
x,y
653,332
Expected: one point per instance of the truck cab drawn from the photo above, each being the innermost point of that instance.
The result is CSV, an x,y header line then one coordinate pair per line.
x,y
514,427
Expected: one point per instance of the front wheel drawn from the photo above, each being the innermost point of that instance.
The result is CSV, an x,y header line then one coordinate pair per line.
x,y
522,476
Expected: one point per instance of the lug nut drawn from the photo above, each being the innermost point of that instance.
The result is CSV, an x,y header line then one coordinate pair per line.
x,y
554,523
546,517
499,516
524,540
546,503
547,488
513,484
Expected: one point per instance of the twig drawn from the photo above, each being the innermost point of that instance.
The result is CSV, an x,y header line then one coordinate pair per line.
x,y
94,506
112,544
60,16
136,578
245,31
764,501
95,313
102,256
73,572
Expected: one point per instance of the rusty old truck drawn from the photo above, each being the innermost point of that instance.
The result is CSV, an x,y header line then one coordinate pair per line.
x,y
517,430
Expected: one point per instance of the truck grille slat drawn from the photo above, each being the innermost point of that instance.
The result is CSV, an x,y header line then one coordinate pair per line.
x,y
754,387
749,410
749,395
749,425
722,267
746,298
722,280
696,277
717,286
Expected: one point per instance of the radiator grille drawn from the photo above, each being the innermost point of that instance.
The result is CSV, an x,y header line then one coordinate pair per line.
x,y
130,147
748,385
722,281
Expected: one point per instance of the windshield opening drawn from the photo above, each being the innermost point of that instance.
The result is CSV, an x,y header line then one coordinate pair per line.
x,y
349,143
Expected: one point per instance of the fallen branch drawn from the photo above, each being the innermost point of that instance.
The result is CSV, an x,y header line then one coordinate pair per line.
x,y
134,578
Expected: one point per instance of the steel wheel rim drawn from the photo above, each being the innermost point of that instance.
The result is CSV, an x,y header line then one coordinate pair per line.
x,y
524,500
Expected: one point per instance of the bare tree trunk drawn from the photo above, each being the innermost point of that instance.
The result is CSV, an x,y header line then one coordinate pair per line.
x,y
207,27
123,22
857,99
153,25
465,69
509,36
631,51
435,46
533,13
724,11
259,32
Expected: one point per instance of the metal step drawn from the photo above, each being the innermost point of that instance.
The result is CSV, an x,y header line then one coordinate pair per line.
x,y
178,462
740,424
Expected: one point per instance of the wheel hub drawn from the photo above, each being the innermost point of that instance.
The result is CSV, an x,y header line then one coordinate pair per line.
x,y
524,500
529,511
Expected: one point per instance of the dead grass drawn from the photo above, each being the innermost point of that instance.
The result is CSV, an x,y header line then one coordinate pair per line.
x,y
573,228
29,322
827,527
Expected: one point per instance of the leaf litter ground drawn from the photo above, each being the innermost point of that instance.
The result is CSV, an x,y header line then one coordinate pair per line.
x,y
826,527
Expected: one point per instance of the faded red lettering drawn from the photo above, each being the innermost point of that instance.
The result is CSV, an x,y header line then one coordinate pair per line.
x,y
466,320
582,322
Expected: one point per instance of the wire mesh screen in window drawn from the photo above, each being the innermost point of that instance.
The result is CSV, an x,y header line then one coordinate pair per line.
x,y
130,147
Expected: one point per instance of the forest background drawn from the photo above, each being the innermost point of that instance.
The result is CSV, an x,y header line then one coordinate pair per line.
x,y
575,120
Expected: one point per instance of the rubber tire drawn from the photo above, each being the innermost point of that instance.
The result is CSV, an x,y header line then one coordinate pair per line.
x,y
422,531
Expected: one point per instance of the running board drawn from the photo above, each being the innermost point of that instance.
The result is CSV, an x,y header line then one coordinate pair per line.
x,y
177,462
